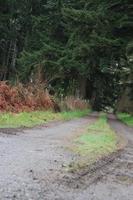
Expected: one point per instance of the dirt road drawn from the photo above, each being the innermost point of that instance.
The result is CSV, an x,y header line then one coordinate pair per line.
x,y
33,166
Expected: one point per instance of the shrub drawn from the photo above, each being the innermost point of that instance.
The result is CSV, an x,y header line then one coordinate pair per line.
x,y
24,98
72,103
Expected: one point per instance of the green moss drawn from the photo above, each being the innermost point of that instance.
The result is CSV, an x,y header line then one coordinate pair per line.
x,y
126,118
31,119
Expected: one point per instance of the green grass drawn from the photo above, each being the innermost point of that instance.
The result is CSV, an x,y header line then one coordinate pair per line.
x,y
74,114
98,140
126,118
31,119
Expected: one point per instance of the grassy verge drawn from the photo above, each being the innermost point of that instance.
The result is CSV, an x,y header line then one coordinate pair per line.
x,y
97,141
126,118
31,119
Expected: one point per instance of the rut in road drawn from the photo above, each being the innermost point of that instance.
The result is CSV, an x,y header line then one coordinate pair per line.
x,y
114,180
32,166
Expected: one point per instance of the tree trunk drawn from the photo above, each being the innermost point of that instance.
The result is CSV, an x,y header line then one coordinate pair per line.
x,y
11,58
82,87
14,55
125,103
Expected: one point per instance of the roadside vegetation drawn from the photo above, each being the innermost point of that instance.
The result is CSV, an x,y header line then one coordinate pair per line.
x,y
126,118
22,98
31,119
52,42
31,105
97,140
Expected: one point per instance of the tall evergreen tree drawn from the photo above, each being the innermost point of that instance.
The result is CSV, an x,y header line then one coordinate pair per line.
x,y
80,47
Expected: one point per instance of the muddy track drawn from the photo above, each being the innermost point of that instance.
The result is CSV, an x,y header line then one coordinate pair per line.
x,y
33,166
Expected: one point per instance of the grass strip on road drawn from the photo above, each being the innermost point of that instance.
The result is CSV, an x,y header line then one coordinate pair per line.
x,y
126,118
98,140
31,119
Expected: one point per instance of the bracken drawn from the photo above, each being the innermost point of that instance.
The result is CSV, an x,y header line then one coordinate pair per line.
x,y
24,98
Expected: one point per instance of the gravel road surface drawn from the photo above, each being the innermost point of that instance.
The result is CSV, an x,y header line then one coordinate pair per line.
x,y
33,166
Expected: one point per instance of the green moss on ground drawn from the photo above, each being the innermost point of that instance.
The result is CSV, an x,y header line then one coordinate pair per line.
x,y
126,118
31,119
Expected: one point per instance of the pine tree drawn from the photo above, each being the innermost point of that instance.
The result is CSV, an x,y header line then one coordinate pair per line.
x,y
83,47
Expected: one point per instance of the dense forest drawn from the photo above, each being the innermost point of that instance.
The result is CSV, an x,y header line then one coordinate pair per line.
x,y
82,48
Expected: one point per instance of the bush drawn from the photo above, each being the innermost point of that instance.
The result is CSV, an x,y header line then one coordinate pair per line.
x,y
24,98
72,103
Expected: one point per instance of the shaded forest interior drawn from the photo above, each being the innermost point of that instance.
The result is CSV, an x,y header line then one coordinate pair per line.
x,y
75,47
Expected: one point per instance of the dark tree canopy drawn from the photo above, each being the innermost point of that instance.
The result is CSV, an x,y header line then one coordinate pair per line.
x,y
82,48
